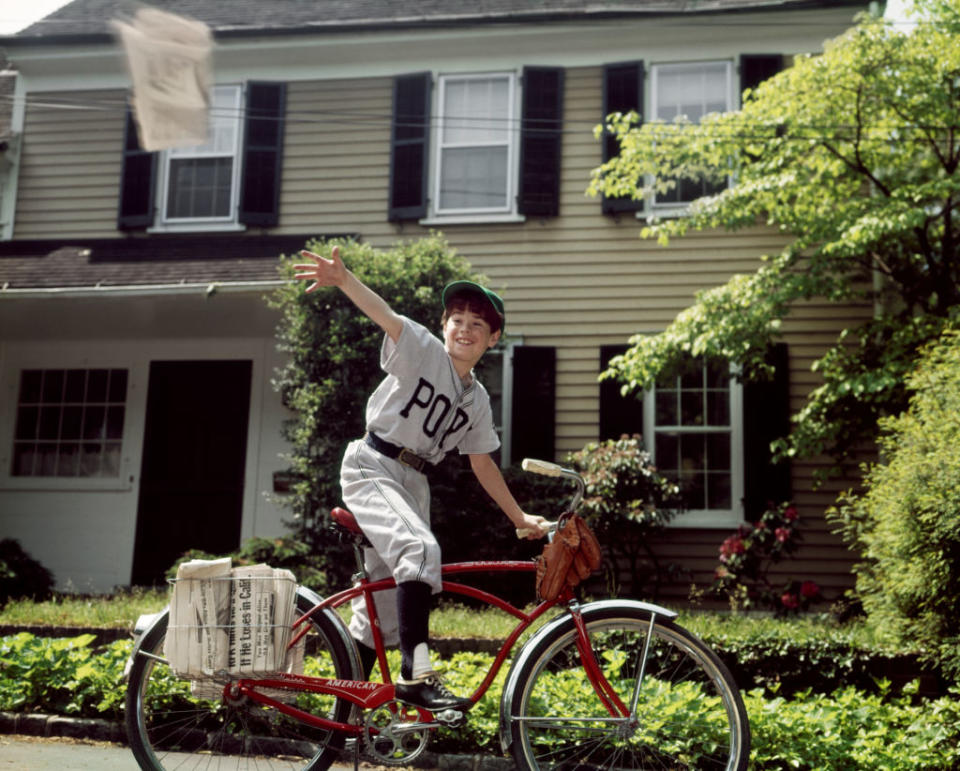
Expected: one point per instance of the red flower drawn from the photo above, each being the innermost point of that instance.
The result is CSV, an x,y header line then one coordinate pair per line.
x,y
791,514
782,534
732,545
809,589
790,601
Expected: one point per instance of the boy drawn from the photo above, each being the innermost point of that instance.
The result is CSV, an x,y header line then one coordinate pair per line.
x,y
428,404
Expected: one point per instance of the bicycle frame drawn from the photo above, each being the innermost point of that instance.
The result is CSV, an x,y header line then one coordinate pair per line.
x,y
369,695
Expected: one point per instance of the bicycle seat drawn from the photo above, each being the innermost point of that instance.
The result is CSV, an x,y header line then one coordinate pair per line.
x,y
345,520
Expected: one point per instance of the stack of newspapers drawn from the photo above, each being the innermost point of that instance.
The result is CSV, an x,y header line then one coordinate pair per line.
x,y
230,620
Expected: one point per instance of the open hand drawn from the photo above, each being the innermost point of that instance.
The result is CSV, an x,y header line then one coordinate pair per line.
x,y
322,272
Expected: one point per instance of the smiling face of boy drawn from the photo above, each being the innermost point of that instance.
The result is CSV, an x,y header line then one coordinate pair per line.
x,y
466,336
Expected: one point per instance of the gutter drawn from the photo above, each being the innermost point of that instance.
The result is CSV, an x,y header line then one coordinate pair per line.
x,y
140,290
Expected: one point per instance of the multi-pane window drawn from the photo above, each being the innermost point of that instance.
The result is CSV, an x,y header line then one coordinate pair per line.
x,y
201,181
691,90
69,423
475,164
693,427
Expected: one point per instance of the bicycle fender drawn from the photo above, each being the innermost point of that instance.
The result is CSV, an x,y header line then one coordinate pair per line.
x,y
563,620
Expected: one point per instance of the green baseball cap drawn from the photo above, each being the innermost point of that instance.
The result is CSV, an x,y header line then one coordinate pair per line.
x,y
469,287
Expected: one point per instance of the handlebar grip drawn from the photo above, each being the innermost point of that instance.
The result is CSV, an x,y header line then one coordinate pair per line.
x,y
542,467
523,532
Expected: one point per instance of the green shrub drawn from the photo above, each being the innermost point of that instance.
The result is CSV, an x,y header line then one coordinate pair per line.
x,y
906,522
21,575
844,729
626,501
62,676
849,729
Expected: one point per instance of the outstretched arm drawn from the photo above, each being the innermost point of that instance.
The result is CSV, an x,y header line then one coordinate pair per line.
x,y
333,272
492,481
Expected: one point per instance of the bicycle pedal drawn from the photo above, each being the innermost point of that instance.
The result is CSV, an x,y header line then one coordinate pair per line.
x,y
452,718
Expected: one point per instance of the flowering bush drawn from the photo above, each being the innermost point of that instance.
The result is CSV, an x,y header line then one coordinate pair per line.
x,y
626,502
747,556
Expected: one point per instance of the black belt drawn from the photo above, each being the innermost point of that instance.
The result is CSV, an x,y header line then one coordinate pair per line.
x,y
394,451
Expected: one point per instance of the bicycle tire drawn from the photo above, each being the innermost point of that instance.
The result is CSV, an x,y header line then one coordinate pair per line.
x,y
689,713
168,727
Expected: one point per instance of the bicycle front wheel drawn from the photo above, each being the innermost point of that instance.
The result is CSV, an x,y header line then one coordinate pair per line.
x,y
688,714
173,724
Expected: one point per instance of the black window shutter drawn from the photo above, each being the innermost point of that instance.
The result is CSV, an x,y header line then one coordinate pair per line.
x,y
533,414
766,416
619,414
542,129
622,92
137,181
262,153
756,68
409,146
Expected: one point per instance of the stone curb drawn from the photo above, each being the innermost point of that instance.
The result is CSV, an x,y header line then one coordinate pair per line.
x,y
58,725
108,731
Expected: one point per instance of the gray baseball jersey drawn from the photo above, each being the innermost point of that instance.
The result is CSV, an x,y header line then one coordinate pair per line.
x,y
424,406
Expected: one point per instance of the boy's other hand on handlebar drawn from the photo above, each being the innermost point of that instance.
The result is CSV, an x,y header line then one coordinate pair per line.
x,y
532,528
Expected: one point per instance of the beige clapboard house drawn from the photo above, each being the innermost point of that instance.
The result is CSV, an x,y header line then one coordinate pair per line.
x,y
136,412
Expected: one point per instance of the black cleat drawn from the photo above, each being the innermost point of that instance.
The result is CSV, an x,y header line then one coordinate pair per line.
x,y
429,692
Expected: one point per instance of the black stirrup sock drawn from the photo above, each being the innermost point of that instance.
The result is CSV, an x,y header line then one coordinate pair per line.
x,y
413,613
368,657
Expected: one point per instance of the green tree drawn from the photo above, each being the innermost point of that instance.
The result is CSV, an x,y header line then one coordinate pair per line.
x,y
332,367
906,524
853,156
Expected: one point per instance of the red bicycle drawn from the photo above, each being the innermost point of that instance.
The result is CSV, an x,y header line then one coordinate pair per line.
x,y
611,684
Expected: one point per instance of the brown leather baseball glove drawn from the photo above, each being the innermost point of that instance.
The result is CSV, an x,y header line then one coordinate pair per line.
x,y
569,558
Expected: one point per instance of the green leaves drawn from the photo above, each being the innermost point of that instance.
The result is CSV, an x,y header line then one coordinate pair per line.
x,y
853,156
62,676
906,520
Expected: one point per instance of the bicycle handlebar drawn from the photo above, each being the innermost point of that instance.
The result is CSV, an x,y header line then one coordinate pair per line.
x,y
548,469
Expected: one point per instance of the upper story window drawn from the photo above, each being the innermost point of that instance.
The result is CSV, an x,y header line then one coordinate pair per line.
x,y
476,147
200,182
695,423
231,181
475,166
692,90
69,423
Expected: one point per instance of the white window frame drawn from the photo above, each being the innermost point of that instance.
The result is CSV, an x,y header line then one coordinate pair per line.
x,y
674,208
707,518
230,221
506,213
503,422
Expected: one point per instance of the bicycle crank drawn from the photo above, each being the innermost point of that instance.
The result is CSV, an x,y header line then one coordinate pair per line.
x,y
393,734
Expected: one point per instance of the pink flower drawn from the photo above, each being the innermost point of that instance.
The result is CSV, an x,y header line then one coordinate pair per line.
x,y
791,514
809,589
790,601
732,545
720,572
782,534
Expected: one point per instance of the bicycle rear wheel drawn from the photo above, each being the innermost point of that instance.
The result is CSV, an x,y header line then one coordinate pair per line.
x,y
689,712
170,727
